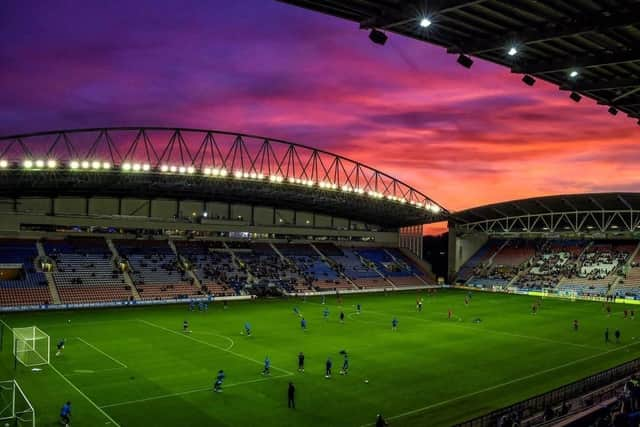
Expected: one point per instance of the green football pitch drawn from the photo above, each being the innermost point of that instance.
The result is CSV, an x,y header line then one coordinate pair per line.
x,y
135,366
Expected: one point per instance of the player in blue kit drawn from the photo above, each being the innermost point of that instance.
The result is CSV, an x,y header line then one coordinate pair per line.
x,y
267,366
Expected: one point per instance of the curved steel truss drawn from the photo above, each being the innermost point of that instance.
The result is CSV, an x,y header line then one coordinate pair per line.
x,y
209,154
591,221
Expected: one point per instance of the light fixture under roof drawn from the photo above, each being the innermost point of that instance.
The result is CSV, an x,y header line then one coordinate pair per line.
x,y
513,51
573,74
425,22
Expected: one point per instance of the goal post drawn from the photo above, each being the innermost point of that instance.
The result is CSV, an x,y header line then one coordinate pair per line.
x,y
31,346
15,407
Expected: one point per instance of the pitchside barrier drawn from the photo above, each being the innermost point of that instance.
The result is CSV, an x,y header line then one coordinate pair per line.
x,y
536,404
129,303
547,294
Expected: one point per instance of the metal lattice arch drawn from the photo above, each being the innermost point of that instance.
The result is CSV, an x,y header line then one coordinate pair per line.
x,y
153,161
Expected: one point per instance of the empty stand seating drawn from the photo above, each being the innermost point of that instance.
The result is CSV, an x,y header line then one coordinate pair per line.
x,y
85,271
213,266
20,282
155,270
311,268
476,261
553,260
597,267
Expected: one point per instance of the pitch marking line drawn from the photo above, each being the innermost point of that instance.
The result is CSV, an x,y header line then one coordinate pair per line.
x,y
197,390
102,352
497,386
218,335
107,416
181,334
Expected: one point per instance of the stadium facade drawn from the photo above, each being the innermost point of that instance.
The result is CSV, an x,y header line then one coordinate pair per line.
x,y
134,204
583,245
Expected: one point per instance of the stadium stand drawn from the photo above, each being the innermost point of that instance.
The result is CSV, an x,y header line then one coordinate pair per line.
x,y
553,260
155,270
85,271
212,265
475,263
20,282
395,267
312,268
570,266
597,268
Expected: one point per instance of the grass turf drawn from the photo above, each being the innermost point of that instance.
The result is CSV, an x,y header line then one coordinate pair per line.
x,y
133,367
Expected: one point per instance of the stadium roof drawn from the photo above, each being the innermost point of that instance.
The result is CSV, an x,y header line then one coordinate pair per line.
x,y
603,212
588,47
215,165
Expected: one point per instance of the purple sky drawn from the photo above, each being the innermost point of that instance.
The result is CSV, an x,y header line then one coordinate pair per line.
x,y
464,137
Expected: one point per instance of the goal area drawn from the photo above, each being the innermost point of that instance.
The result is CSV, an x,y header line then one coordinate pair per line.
x,y
31,346
15,408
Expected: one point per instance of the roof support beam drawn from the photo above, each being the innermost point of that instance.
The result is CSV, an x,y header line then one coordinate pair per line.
x,y
591,86
552,30
577,62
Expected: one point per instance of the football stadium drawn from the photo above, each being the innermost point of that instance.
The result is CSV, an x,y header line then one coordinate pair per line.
x,y
162,276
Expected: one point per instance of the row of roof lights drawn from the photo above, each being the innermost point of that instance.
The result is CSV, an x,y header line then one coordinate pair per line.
x,y
215,172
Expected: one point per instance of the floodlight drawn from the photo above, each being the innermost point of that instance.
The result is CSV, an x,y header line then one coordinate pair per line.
x,y
191,169
215,171
237,174
207,171
106,165
3,163
28,164
245,175
146,167
126,166
223,172
52,163
85,164
575,96
253,175
465,61
425,22
378,37
528,80
95,164
164,168
39,163
74,164
137,167
573,74
173,169
182,169
513,51
204,214
260,176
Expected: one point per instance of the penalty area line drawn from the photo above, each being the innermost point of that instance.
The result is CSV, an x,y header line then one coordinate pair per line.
x,y
504,384
197,390
103,353
80,392
181,334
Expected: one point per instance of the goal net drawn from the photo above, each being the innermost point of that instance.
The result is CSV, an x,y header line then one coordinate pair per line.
x,y
31,346
15,408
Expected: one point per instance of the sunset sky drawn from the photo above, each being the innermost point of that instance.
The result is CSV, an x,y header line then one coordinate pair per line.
x,y
464,137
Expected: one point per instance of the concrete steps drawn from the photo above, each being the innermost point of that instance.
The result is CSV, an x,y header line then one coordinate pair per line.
x,y
125,273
